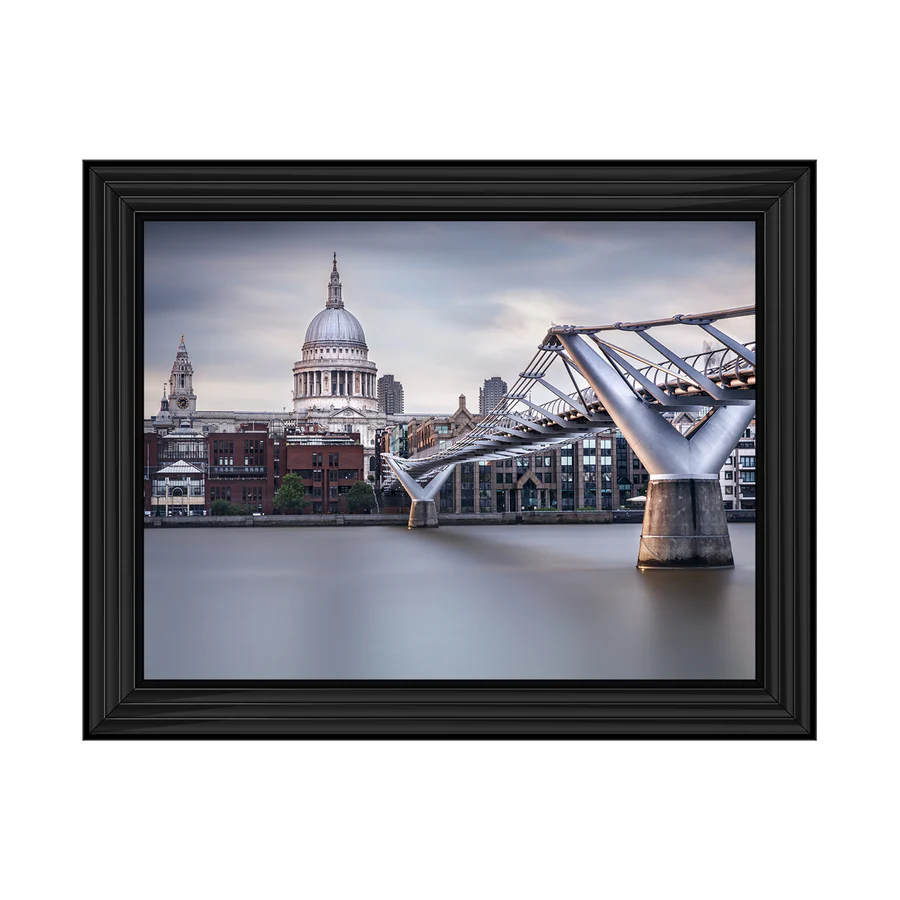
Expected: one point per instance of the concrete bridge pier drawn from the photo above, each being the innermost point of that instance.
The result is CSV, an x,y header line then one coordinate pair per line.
x,y
684,524
423,510
423,514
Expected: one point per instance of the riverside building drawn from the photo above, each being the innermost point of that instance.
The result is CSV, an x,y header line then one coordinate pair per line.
x,y
600,472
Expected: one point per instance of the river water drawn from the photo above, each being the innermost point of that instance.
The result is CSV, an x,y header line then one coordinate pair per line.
x,y
457,602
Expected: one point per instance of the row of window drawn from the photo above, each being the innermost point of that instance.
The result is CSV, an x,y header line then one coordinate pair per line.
x,y
566,459
159,490
317,474
317,460
318,354
746,477
532,499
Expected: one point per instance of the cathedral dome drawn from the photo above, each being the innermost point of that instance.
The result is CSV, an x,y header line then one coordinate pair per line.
x,y
334,325
334,370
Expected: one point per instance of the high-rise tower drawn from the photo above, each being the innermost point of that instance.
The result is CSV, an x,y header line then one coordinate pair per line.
x,y
390,395
491,394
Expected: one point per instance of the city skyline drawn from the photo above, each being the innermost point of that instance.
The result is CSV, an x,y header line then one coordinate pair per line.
x,y
444,305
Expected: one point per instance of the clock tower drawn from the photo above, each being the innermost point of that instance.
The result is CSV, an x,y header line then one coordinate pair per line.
x,y
182,399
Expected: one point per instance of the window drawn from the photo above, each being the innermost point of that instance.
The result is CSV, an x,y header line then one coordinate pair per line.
x,y
729,490
446,494
729,476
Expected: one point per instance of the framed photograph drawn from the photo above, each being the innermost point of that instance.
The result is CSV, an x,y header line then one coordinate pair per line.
x,y
775,198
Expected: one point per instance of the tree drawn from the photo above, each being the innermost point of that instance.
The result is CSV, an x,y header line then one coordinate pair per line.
x,y
361,497
290,498
226,508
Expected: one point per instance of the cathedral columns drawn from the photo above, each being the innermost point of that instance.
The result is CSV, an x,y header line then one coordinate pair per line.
x,y
349,383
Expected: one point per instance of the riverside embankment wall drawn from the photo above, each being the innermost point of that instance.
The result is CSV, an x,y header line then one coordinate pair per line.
x,y
524,518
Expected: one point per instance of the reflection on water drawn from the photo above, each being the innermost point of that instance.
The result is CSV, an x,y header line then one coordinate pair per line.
x,y
485,602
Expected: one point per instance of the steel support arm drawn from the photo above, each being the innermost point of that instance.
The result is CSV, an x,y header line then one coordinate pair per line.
x,y
661,447
412,487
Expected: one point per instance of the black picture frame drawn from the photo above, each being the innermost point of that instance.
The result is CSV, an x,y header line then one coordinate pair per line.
x,y
119,196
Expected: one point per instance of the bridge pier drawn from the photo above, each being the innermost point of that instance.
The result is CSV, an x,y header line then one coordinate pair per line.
x,y
423,514
684,525
423,509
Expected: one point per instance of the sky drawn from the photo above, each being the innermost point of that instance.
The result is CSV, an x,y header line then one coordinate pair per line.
x,y
444,305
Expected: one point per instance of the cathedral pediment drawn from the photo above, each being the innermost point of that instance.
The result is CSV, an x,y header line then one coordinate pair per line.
x,y
347,412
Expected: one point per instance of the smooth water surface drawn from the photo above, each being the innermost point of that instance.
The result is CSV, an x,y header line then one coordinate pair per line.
x,y
460,602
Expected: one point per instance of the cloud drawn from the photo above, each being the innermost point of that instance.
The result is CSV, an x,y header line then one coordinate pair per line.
x,y
444,305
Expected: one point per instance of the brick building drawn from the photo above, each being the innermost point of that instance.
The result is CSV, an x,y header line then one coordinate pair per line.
x,y
436,431
240,468
245,468
329,464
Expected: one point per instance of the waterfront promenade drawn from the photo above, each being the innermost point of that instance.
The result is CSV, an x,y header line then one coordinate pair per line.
x,y
467,602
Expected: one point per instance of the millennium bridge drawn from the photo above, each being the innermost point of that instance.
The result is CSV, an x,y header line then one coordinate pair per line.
x,y
587,382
